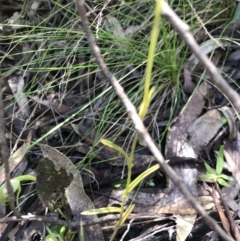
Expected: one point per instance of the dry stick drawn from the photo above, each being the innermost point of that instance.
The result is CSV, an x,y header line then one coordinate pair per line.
x,y
75,224
183,30
5,157
3,143
233,225
60,222
139,125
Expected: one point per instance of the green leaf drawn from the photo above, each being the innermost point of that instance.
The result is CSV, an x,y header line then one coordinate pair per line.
x,y
145,104
62,232
115,147
209,169
208,176
102,211
224,120
151,183
81,232
50,236
137,180
25,178
226,177
126,214
223,182
220,161
3,190
119,184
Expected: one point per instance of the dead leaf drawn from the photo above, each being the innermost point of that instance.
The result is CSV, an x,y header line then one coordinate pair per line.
x,y
75,194
17,85
112,24
54,104
178,145
233,227
234,56
34,7
16,157
203,130
221,213
184,226
232,156
177,137
206,48
158,202
51,183
188,86
230,116
141,141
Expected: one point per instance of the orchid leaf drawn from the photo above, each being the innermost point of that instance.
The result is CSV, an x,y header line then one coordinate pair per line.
x,y
226,177
209,169
103,210
208,176
115,147
220,161
136,181
223,182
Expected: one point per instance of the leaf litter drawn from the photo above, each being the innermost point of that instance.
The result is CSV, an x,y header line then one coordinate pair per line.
x,y
43,92
75,194
51,184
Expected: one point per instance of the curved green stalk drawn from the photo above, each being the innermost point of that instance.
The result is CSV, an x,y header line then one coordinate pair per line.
x,y
16,185
143,108
142,112
25,178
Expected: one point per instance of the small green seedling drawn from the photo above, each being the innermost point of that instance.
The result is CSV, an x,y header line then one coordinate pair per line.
x,y
16,185
151,183
216,175
56,233
119,184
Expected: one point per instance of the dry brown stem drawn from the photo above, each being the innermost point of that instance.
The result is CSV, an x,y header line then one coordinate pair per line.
x,y
5,157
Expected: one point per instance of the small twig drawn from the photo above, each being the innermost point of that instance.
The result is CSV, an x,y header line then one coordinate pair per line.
x,y
75,224
5,157
233,225
3,143
131,110
52,220
183,30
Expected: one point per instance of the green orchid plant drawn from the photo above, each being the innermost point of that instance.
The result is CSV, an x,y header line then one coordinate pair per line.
x,y
148,93
216,176
16,185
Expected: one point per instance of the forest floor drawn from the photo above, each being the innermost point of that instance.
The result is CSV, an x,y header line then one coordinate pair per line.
x,y
59,106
